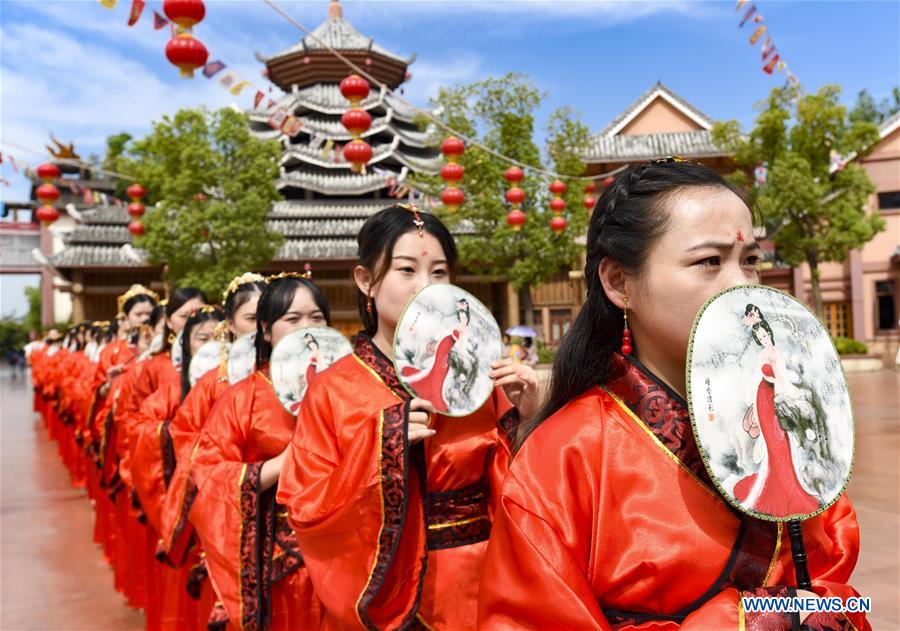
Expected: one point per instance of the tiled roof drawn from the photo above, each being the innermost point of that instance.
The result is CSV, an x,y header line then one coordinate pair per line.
x,y
630,147
338,33
338,184
646,98
93,256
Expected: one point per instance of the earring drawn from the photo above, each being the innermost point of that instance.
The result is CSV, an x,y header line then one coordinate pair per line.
x,y
626,333
369,304
171,338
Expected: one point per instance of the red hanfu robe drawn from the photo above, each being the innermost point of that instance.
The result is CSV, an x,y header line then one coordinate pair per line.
x,y
177,533
608,520
393,535
251,552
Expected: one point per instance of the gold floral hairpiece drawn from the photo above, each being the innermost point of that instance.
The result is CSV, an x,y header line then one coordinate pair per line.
x,y
307,275
100,323
417,218
243,279
135,290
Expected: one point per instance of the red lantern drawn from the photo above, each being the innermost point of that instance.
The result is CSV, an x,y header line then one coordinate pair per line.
x,y
187,52
589,203
135,192
47,193
48,171
185,13
558,187
452,148
136,209
514,175
136,228
357,152
608,181
515,196
590,188
516,219
452,172
355,89
46,214
356,121
558,224
306,59
453,198
557,205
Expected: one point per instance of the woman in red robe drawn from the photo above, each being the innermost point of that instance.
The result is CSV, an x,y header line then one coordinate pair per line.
x,y
392,506
251,553
178,543
135,308
608,519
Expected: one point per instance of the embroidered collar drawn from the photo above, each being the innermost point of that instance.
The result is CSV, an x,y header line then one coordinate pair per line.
x,y
366,350
660,408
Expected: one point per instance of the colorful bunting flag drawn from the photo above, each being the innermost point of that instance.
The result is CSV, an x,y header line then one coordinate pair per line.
x,y
109,4
769,67
229,79
781,66
258,99
236,90
159,22
740,3
270,104
292,126
277,119
137,7
212,69
748,15
767,47
758,18
757,34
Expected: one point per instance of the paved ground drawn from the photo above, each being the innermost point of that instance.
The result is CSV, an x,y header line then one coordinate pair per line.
x,y
53,577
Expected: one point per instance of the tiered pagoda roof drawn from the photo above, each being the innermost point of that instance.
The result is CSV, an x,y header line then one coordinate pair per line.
x,y
325,202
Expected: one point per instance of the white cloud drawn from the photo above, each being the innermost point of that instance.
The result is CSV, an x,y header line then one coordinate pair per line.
x,y
429,76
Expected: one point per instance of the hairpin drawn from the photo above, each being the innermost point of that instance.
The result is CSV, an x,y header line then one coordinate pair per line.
x,y
135,290
417,218
243,279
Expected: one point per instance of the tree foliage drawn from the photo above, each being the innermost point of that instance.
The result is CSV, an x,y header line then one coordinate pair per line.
x,y
500,113
868,110
813,213
212,184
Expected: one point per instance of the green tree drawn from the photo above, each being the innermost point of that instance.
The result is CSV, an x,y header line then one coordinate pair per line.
x,y
499,112
866,109
32,321
13,336
813,213
212,184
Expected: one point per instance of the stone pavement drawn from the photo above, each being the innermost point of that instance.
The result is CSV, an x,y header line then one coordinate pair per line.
x,y
53,577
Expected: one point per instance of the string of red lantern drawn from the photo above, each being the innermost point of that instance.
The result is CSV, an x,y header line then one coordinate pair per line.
x,y
558,206
184,50
136,208
47,193
453,173
357,121
515,196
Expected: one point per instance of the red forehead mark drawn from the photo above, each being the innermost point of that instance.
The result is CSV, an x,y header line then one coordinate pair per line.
x,y
740,236
424,252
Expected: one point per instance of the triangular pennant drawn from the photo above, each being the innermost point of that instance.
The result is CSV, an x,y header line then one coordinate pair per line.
x,y
769,67
757,34
258,99
758,18
212,69
270,104
137,7
15,166
109,4
748,15
781,66
159,21
767,47
769,54
740,3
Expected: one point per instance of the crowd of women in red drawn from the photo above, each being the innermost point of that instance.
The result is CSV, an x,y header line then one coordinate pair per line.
x,y
588,508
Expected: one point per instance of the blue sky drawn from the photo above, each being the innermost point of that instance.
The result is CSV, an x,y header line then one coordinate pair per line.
x,y
75,68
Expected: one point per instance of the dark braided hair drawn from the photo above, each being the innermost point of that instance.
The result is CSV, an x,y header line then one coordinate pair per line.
x,y
628,219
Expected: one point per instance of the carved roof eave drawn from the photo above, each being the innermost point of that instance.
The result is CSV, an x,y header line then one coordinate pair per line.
x,y
314,157
336,184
